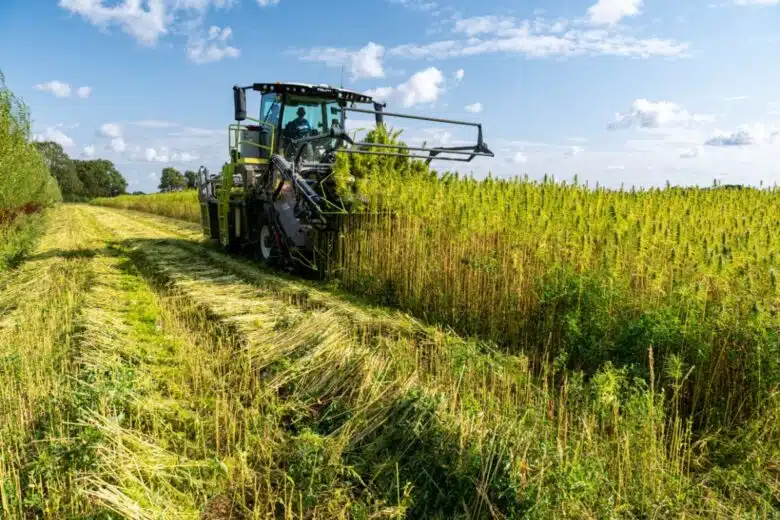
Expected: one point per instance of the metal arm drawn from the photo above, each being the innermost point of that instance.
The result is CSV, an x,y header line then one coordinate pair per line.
x,y
467,153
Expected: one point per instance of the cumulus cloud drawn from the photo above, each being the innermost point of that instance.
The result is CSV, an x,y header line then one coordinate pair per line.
x,y
84,92
610,12
164,155
661,114
476,108
152,155
118,144
111,130
144,21
459,74
89,151
53,133
365,62
745,135
423,87
212,47
58,88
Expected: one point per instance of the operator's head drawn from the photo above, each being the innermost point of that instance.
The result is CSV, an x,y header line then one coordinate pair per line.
x,y
301,112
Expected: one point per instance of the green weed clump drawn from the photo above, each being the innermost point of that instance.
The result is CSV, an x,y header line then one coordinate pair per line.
x,y
182,205
25,182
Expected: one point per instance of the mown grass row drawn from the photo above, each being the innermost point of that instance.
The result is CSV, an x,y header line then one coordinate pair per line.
x,y
25,182
368,412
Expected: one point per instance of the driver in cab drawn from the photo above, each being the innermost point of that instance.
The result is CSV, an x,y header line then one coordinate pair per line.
x,y
298,127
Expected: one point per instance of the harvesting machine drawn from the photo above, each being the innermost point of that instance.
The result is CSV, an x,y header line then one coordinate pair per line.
x,y
276,195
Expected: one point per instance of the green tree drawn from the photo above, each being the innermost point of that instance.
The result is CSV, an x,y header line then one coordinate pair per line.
x,y
62,168
100,178
192,179
172,180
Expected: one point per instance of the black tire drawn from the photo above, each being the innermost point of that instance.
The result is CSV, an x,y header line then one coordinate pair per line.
x,y
266,249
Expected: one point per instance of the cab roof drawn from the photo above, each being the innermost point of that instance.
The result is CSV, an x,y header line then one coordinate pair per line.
x,y
303,89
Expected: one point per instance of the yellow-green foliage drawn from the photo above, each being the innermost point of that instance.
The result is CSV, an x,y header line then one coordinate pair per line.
x,y
581,275
182,205
25,181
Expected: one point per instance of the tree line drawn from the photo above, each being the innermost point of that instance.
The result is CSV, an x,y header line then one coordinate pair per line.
x,y
81,180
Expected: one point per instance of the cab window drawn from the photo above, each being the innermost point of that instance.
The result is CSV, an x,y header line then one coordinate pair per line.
x,y
270,107
302,117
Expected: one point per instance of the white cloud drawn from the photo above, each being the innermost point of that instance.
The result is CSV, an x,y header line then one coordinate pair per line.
x,y
736,98
537,38
745,135
574,150
118,144
184,157
367,62
164,155
154,124
112,130
266,3
609,12
84,92
459,74
423,87
476,108
483,24
57,88
53,133
618,167
380,93
89,151
211,48
757,2
519,158
419,5
661,114
689,153
153,155
145,25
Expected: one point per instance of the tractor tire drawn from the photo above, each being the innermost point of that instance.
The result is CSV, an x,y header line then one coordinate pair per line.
x,y
267,249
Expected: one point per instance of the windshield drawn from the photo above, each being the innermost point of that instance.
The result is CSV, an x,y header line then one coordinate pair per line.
x,y
304,117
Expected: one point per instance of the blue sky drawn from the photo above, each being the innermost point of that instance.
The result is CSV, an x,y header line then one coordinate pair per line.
x,y
615,91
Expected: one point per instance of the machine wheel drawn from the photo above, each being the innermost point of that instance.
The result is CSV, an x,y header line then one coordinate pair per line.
x,y
268,251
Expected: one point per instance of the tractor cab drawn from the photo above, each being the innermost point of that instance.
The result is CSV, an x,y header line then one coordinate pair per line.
x,y
290,113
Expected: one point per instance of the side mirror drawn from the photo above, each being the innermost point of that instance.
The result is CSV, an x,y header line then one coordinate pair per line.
x,y
239,103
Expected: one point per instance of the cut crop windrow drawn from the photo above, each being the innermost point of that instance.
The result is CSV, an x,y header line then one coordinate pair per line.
x,y
377,383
